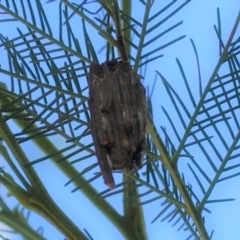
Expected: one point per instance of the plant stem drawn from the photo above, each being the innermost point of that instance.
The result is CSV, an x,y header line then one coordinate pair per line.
x,y
37,198
173,170
49,148
133,212
20,226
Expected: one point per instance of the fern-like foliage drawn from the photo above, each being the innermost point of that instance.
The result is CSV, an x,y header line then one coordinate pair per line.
x,y
45,91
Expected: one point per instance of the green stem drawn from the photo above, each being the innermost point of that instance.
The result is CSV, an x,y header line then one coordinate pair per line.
x,y
133,212
105,34
49,148
173,170
143,34
20,226
37,198
119,35
127,9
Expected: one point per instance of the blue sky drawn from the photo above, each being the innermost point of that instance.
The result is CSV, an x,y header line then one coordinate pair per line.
x,y
198,17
